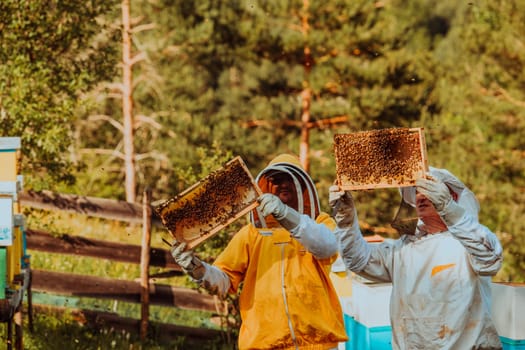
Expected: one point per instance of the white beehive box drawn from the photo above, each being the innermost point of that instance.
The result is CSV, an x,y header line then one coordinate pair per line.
x,y
508,310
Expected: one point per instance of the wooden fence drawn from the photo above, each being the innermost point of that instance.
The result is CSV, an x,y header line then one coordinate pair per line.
x,y
144,291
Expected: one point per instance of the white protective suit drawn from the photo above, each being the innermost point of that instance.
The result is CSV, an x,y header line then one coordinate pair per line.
x,y
440,282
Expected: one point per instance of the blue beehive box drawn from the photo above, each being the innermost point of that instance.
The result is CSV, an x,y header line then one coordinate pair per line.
x,y
511,344
361,337
366,316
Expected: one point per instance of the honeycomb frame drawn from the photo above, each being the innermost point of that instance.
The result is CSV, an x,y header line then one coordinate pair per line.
x,y
380,158
205,208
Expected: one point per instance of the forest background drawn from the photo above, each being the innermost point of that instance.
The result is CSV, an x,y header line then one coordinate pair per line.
x,y
107,111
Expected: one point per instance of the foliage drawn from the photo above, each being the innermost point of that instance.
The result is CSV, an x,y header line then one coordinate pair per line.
x,y
213,69
50,53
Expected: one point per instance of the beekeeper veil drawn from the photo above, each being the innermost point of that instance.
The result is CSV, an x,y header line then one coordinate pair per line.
x,y
406,219
307,197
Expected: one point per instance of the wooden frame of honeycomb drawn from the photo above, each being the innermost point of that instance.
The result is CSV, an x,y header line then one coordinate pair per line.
x,y
208,206
381,158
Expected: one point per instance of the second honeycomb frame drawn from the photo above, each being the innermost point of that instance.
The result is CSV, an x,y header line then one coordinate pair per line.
x,y
381,158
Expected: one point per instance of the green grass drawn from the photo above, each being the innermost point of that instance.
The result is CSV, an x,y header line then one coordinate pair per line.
x,y
161,314
52,333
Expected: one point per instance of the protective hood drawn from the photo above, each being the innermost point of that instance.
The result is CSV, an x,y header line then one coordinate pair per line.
x,y
466,198
307,197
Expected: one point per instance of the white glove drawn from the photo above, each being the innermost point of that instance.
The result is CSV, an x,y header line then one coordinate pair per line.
x,y
439,194
436,191
342,204
189,263
271,204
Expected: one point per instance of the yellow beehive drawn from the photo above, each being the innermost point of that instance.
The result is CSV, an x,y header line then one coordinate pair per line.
x,y
13,245
9,147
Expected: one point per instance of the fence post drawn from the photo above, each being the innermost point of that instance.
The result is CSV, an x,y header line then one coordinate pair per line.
x,y
9,335
17,318
144,263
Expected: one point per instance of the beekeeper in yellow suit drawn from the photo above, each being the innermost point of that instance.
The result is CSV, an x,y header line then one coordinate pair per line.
x,y
282,258
440,274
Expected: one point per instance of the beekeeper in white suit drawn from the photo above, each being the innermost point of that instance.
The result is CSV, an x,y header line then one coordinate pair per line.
x,y
440,274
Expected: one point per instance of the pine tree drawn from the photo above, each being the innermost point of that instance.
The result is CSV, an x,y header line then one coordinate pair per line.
x,y
483,116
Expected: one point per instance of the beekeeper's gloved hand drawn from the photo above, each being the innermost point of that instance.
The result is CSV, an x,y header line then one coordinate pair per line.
x,y
439,194
288,217
185,258
342,204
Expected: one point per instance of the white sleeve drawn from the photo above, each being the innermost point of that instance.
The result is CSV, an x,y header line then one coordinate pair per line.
x,y
318,239
484,249
215,280
370,261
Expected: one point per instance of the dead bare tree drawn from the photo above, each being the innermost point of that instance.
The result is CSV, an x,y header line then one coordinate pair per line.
x,y
127,103
125,149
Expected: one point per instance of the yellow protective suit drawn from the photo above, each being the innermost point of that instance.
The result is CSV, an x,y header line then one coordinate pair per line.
x,y
287,300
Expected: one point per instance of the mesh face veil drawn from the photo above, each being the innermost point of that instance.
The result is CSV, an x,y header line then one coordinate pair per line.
x,y
466,197
307,198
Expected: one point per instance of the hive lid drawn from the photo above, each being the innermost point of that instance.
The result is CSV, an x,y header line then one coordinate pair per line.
x,y
208,206
381,158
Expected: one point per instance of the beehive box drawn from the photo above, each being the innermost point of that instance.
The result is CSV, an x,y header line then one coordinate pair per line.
x,y
366,315
508,313
382,158
211,204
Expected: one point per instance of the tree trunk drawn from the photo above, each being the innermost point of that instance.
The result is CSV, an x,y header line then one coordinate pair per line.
x,y
127,104
306,95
